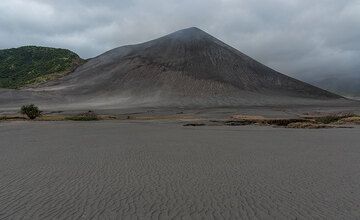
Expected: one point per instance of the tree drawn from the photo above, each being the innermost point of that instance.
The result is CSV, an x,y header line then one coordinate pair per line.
x,y
31,111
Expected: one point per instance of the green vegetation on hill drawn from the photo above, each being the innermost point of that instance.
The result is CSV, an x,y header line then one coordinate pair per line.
x,y
33,65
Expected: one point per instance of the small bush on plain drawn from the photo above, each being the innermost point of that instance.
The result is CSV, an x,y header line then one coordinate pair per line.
x,y
31,111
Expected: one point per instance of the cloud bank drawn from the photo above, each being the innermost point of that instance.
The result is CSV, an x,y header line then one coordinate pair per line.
x,y
301,38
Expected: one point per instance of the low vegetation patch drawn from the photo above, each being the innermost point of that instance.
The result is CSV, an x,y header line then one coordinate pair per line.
x,y
86,116
276,122
308,125
328,119
283,122
240,122
11,118
350,120
52,118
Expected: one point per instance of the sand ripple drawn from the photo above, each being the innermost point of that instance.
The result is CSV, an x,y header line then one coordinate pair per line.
x,y
108,170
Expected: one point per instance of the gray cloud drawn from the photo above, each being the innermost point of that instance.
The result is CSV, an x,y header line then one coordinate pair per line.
x,y
302,38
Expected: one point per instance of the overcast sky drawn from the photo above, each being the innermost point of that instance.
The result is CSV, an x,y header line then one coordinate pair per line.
x,y
302,38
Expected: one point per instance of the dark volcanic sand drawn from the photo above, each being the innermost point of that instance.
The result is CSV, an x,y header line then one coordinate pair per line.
x,y
113,170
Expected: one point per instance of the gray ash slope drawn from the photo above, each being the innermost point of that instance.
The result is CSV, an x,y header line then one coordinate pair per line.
x,y
185,68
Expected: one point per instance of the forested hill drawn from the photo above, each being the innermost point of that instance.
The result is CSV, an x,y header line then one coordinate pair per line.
x,y
34,65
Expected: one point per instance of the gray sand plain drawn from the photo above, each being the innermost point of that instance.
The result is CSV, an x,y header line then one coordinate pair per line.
x,y
153,170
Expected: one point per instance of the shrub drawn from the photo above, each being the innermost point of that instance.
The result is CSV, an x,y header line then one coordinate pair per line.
x,y
31,111
86,116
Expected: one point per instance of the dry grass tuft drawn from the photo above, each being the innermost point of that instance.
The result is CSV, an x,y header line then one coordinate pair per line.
x,y
350,120
86,116
308,125
330,118
51,118
282,122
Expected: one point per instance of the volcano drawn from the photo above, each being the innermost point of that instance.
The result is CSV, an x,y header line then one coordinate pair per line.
x,y
186,68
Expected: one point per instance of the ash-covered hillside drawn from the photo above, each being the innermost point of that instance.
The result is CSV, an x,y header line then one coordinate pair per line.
x,y
185,68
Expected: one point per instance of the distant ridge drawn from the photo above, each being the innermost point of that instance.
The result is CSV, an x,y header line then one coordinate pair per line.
x,y
344,85
186,68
